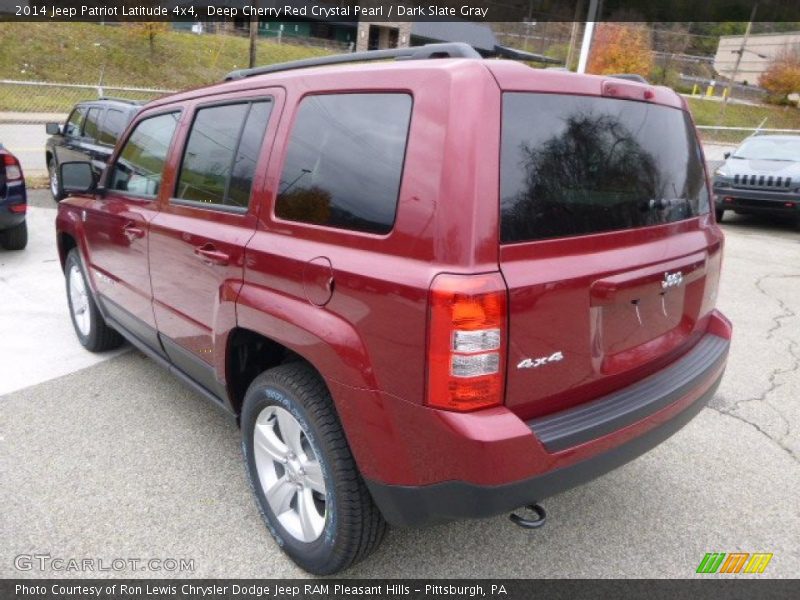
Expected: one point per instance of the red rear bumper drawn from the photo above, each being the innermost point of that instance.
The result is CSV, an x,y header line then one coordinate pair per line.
x,y
423,464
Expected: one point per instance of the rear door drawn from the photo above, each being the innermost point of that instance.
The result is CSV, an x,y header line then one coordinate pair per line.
x,y
606,247
198,238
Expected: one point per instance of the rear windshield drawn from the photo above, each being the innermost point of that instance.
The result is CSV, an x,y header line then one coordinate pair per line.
x,y
575,165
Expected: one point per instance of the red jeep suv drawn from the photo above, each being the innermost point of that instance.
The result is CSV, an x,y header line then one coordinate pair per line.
x,y
432,288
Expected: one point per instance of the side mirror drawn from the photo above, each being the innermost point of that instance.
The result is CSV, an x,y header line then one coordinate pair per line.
x,y
727,155
76,178
52,128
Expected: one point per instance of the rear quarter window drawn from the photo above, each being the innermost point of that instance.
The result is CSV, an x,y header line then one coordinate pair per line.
x,y
577,165
344,161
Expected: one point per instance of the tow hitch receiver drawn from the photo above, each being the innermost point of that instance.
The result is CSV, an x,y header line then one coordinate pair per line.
x,y
530,523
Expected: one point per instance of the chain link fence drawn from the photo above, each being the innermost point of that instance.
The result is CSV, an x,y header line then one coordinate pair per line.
x,y
40,101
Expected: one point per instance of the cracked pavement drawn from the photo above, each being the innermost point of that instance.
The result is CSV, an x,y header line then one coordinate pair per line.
x,y
118,459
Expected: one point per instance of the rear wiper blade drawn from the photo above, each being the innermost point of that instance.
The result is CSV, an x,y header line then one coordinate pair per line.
x,y
663,203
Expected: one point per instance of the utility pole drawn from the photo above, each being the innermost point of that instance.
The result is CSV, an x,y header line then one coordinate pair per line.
x,y
591,17
740,53
253,32
573,36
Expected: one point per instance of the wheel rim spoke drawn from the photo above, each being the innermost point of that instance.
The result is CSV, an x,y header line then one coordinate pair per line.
x,y
268,443
314,478
311,521
290,432
280,495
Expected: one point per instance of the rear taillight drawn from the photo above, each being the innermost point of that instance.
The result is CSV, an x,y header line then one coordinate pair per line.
x,y
467,341
13,169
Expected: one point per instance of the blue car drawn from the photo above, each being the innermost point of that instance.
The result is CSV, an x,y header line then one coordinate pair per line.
x,y
13,203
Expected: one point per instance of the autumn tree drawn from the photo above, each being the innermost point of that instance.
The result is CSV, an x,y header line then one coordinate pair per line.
x,y
148,30
782,77
621,48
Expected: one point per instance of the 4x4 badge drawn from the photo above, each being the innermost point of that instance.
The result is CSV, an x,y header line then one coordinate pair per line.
x,y
532,363
672,280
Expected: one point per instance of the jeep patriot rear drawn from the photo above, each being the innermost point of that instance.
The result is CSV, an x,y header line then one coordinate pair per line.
x,y
427,289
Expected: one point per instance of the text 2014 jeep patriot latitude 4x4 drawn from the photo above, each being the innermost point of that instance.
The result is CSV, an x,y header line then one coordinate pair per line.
x,y
429,289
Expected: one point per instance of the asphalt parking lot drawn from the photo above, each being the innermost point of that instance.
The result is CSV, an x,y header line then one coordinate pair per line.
x,y
111,457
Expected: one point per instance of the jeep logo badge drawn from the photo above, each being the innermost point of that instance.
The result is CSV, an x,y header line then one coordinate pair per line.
x,y
672,280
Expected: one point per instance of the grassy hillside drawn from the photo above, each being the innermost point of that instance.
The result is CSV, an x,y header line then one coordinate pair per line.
x,y
708,112
76,53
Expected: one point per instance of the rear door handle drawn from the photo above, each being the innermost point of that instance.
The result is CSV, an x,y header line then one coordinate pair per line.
x,y
132,231
209,254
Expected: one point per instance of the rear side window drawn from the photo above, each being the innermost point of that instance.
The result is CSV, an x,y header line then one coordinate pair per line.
x,y
73,127
221,153
112,127
344,161
577,165
140,164
91,128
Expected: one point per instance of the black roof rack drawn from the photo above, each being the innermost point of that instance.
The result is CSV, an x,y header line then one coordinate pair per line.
x,y
629,77
123,100
450,50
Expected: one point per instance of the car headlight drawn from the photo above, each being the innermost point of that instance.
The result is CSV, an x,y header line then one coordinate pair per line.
x,y
721,172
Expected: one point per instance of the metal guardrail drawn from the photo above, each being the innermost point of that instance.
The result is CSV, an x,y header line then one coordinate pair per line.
x,y
753,129
720,134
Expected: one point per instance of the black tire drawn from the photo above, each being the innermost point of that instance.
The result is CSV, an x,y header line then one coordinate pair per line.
x,y
99,337
52,174
353,525
15,238
720,213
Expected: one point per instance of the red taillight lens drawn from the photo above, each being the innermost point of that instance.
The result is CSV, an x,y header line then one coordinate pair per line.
x,y
467,341
13,170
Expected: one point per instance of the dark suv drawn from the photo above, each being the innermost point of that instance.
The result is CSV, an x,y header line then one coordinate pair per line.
x,y
761,177
89,134
429,289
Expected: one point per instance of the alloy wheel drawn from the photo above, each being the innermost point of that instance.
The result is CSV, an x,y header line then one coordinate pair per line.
x,y
79,300
290,473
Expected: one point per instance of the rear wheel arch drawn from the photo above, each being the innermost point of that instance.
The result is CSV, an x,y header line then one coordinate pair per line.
x,y
248,354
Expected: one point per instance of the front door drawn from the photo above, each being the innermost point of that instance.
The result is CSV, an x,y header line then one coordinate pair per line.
x,y
117,225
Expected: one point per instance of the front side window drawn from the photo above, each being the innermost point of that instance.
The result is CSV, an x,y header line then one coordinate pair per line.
x,y
578,165
74,122
344,161
221,152
91,127
140,164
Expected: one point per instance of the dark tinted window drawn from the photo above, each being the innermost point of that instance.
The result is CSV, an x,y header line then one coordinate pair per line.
x,y
575,165
345,160
220,156
73,128
140,165
112,126
247,153
91,127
